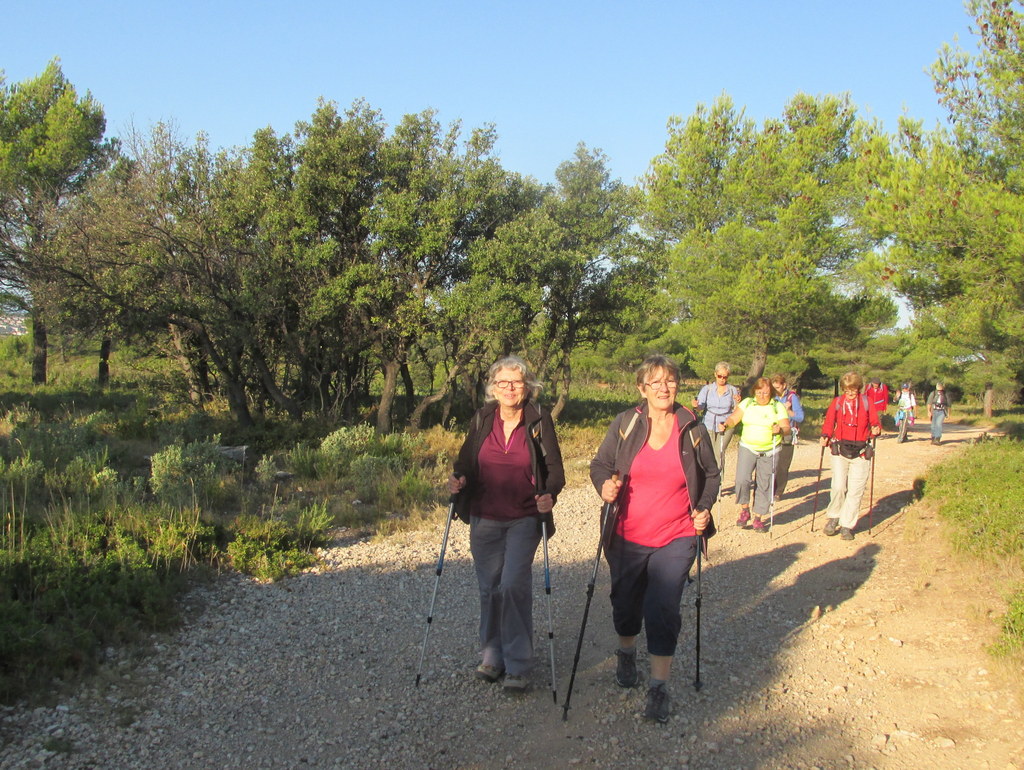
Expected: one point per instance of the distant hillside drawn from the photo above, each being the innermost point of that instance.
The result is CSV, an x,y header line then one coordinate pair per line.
x,y
12,325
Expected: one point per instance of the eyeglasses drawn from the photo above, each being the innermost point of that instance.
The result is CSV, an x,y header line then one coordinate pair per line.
x,y
659,384
509,384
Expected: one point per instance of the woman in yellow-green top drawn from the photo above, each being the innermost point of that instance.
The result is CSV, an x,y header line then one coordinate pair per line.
x,y
765,421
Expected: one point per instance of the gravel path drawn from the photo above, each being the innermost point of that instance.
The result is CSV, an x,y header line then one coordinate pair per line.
x,y
815,653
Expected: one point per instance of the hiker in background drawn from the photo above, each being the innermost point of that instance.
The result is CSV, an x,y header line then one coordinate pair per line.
x,y
906,410
789,399
667,482
716,401
878,394
510,453
850,421
765,422
938,409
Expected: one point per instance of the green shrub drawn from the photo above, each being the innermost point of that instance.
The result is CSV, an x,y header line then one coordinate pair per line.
x,y
980,495
14,348
311,524
263,548
266,469
187,475
369,473
346,443
304,461
1011,643
80,583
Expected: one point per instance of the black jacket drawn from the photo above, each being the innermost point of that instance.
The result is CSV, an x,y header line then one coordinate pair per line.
x,y
626,437
545,455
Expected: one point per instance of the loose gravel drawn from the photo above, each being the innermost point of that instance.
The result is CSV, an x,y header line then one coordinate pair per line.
x,y
815,653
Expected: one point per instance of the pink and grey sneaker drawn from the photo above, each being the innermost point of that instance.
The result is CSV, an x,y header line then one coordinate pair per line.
x,y
741,522
758,525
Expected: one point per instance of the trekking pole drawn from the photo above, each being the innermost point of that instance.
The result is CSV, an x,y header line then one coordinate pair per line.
x,y
771,500
437,580
547,590
871,497
701,542
814,510
721,464
607,518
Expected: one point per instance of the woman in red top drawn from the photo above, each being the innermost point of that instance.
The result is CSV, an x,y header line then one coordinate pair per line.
x,y
669,481
851,419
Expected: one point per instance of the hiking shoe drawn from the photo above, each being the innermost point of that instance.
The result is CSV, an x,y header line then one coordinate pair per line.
x,y
625,671
488,672
759,526
657,704
741,522
831,527
846,533
514,683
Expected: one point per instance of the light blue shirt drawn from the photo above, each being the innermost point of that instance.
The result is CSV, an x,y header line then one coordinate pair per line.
x,y
791,400
716,407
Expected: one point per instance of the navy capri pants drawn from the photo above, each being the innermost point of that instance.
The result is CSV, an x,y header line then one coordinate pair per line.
x,y
647,586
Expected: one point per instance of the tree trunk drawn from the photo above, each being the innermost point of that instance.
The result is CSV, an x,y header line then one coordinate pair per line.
x,y
563,394
193,366
988,399
387,396
410,388
416,418
103,375
39,342
231,377
757,362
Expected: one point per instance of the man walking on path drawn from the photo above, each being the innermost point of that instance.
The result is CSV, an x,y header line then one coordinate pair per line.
x,y
938,409
878,394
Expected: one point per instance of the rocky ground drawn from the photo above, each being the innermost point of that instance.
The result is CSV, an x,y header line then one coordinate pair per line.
x,y
815,653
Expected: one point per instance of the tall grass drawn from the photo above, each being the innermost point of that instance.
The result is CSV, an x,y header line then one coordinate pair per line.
x,y
979,493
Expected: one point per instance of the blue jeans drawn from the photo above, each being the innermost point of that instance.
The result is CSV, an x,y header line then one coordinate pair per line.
x,y
938,417
647,586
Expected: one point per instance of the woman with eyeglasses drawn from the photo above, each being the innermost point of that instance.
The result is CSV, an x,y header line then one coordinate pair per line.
x,y
509,473
765,422
656,462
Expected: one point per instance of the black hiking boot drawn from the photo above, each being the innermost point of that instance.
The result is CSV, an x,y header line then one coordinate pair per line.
x,y
657,704
625,671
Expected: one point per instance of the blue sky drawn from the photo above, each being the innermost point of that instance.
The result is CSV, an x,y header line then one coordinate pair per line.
x,y
547,73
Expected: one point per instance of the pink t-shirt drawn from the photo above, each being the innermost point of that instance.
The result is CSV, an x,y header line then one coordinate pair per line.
x,y
655,505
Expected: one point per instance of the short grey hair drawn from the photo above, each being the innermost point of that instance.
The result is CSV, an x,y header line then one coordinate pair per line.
x,y
532,386
723,365
653,362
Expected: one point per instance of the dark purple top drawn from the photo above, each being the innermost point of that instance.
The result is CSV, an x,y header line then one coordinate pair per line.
x,y
506,481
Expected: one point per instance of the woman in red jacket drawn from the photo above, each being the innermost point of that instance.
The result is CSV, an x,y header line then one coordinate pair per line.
x,y
850,421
